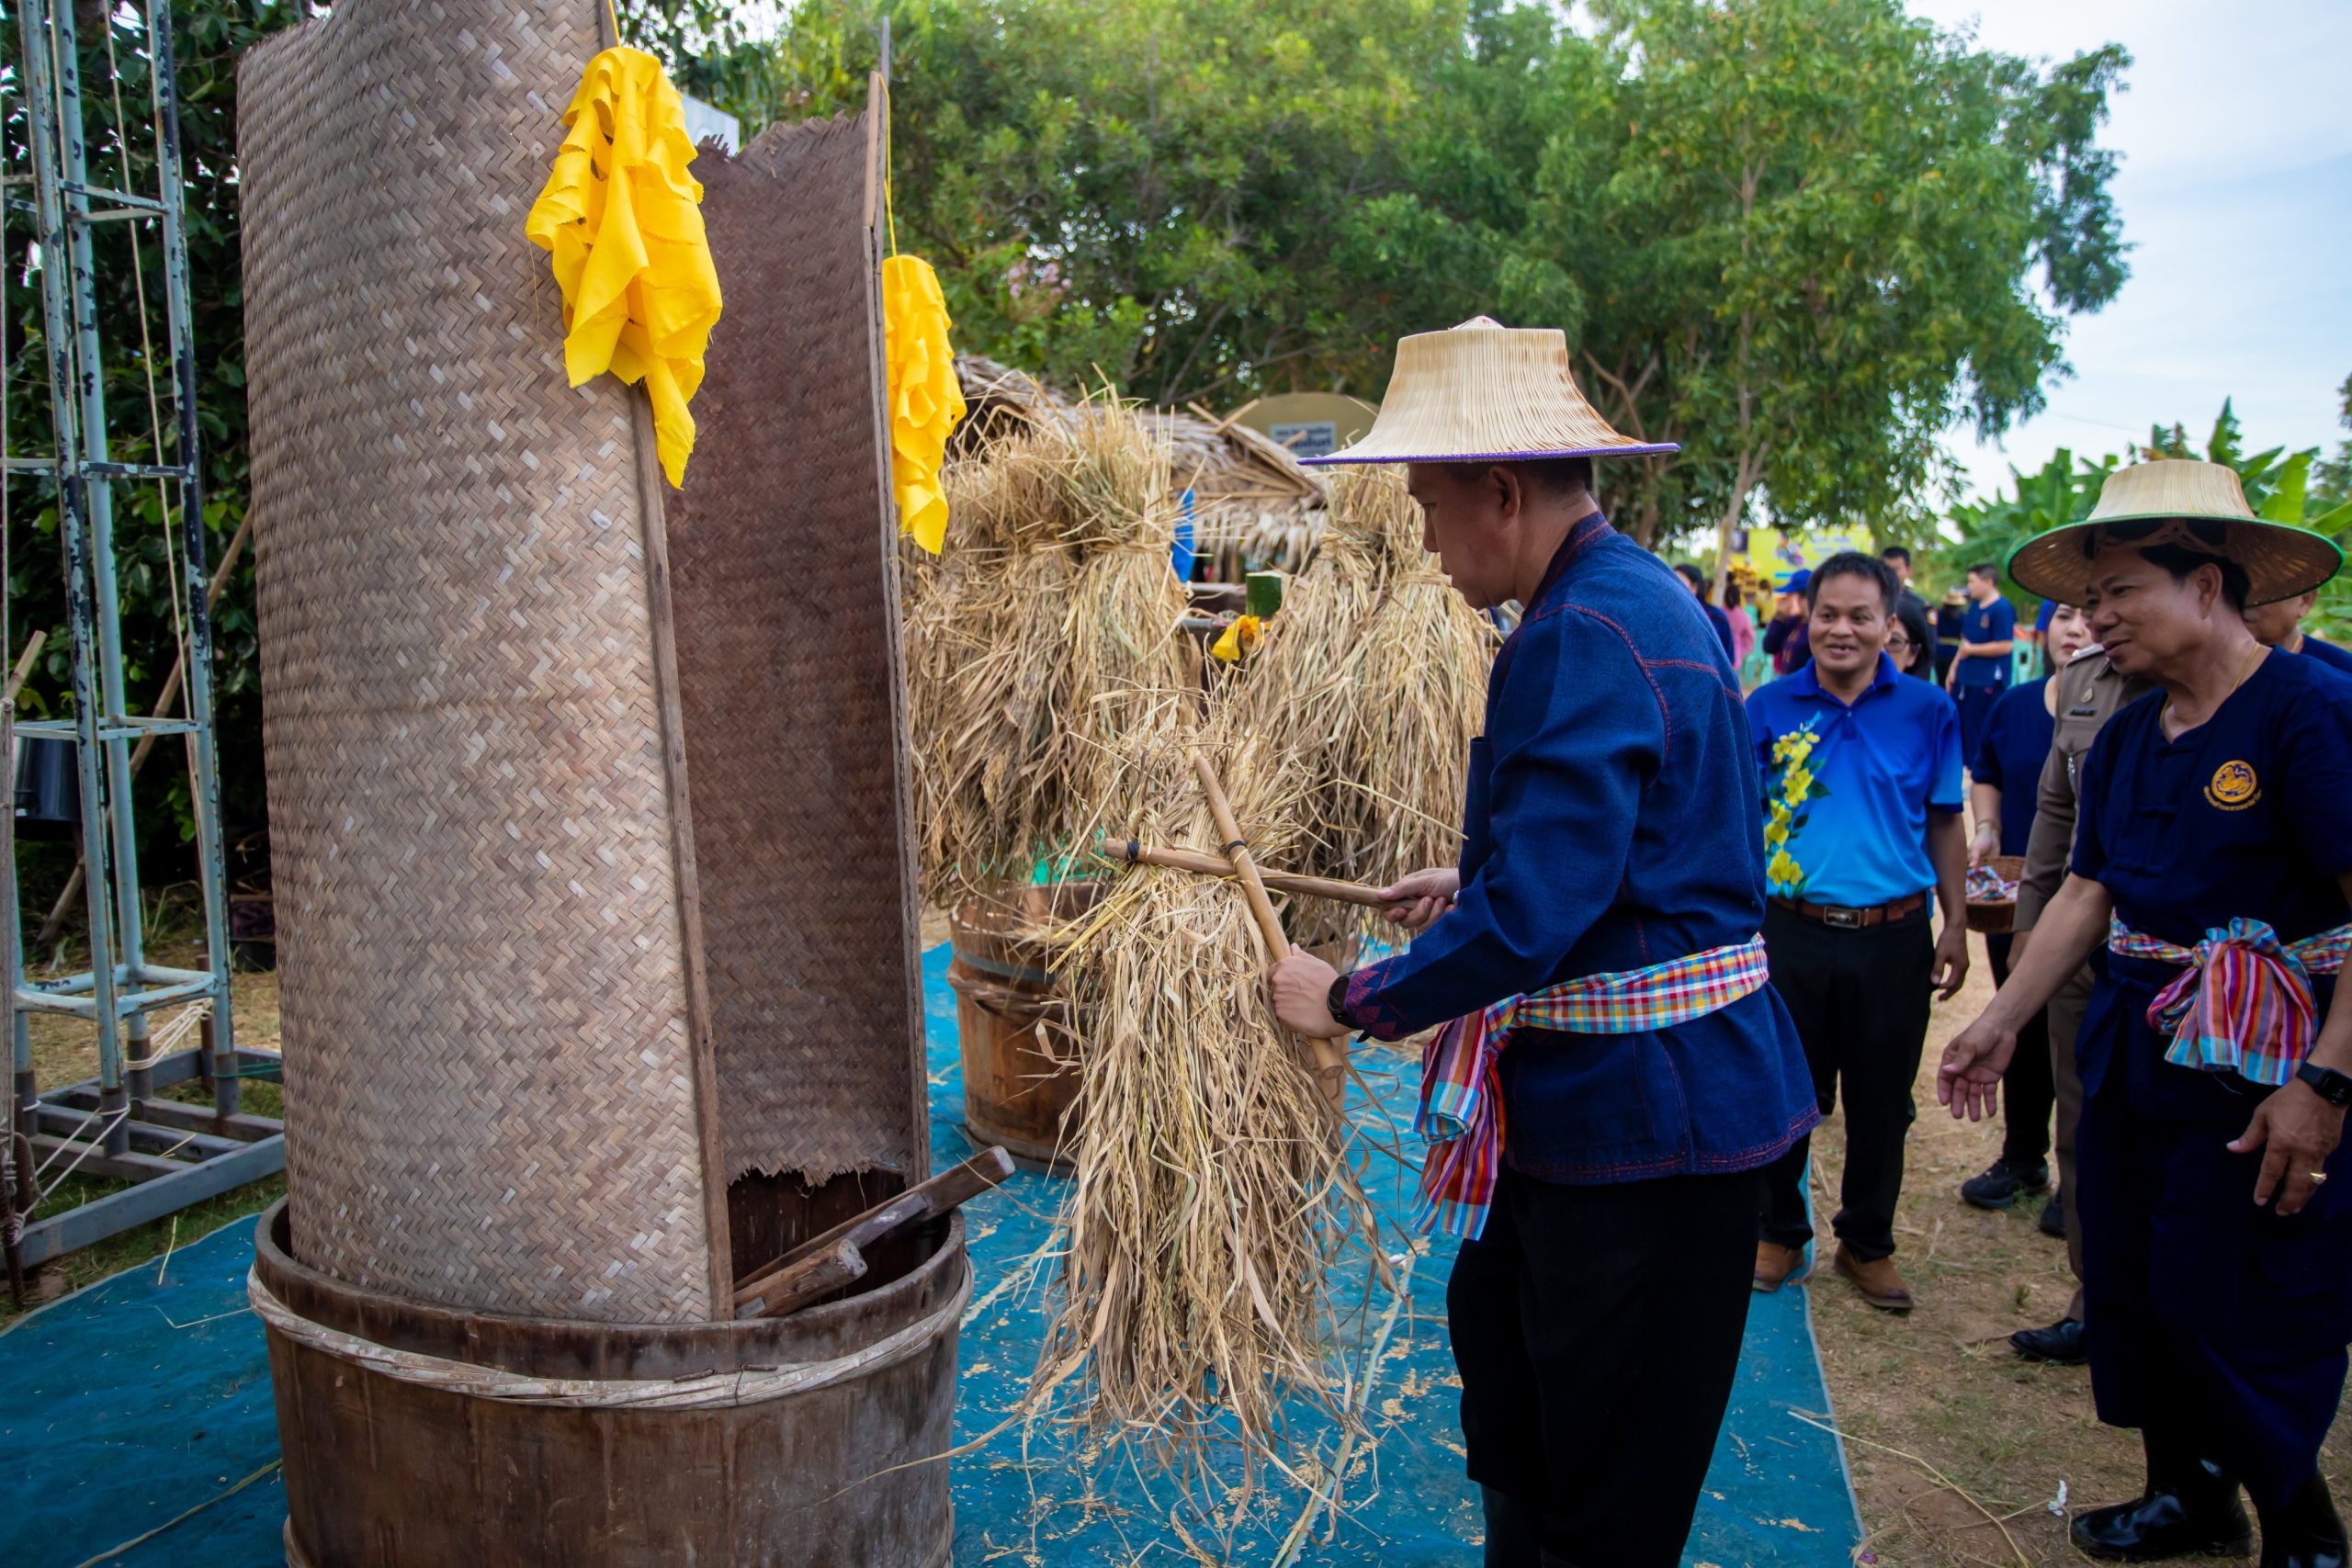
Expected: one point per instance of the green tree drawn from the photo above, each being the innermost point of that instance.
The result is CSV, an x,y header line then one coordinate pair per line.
x,y
2332,477
1827,231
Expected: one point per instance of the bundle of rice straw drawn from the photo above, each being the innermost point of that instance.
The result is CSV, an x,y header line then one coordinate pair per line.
x,y
1039,637
1420,689
1214,1196
982,648
1376,675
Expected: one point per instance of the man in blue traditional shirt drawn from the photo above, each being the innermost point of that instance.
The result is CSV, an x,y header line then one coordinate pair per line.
x,y
2211,890
1613,1069
1862,800
1988,637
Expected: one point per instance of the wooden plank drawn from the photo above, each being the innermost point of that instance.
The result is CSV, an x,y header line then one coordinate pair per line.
x,y
119,1212
64,1122
243,1127
91,1159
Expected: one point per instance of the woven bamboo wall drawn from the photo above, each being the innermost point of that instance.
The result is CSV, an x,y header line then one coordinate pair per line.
x,y
785,547
491,1064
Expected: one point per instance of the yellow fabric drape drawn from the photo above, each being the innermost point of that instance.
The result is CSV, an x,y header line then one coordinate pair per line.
x,y
621,216
925,399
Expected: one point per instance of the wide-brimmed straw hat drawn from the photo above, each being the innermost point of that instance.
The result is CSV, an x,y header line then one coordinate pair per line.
x,y
1482,392
2173,501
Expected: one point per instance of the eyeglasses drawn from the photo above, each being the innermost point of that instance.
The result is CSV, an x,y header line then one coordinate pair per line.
x,y
1898,645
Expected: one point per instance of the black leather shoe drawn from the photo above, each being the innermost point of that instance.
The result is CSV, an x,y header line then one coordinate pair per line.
x,y
2198,1515
1999,1186
2306,1533
2061,1343
2053,1223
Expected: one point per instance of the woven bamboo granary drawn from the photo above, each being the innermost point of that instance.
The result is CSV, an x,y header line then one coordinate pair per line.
x,y
571,1049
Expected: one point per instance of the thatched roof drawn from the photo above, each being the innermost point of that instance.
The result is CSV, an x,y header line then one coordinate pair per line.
x,y
1253,505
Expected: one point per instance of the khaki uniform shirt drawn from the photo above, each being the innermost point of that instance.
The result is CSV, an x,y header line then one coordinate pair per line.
x,y
2089,693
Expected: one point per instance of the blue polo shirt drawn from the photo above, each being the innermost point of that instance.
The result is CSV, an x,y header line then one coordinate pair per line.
x,y
1995,621
1847,789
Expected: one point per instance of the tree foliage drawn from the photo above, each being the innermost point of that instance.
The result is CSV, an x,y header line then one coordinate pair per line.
x,y
1801,237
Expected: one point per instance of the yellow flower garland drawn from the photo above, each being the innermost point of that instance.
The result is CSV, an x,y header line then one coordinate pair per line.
x,y
623,221
925,399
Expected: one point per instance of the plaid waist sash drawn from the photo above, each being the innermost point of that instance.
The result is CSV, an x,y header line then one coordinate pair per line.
x,y
1462,1100
2242,1003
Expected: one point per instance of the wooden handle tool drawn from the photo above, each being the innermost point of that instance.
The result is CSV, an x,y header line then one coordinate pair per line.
x,y
1134,852
814,1268
1331,1055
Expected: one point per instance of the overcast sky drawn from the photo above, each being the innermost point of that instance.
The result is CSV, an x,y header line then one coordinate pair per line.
x,y
2235,132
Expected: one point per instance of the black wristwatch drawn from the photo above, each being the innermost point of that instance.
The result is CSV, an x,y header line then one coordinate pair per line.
x,y
1335,1002
2327,1083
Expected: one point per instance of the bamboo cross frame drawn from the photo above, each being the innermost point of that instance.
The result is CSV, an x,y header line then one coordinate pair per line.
x,y
1135,852
1330,1056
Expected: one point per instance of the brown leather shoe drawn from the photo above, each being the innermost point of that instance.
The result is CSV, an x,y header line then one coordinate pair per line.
x,y
1876,1280
1777,1265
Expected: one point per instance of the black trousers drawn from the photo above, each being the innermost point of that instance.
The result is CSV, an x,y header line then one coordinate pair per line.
x,y
2028,1092
1859,1000
1598,1331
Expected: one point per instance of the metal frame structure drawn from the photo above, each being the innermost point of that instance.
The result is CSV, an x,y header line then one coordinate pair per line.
x,y
116,1124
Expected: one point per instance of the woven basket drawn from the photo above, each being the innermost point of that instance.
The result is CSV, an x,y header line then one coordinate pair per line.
x,y
1993,914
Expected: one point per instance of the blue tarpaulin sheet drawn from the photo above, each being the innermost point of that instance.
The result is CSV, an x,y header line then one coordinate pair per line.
x,y
125,1406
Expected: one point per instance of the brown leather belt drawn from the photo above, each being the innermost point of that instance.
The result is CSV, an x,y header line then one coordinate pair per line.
x,y
1841,918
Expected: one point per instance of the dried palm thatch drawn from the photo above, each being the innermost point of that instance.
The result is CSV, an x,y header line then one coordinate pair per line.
x,y
1215,1202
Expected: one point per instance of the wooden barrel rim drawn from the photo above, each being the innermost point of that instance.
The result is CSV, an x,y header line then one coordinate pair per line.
x,y
559,1347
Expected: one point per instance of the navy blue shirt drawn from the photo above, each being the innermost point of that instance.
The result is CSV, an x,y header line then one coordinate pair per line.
x,y
2326,653
1995,621
2017,734
1721,621
1607,827
2244,816
1847,789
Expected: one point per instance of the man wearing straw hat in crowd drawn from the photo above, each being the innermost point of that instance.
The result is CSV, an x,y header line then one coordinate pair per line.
x,y
1613,1069
2211,884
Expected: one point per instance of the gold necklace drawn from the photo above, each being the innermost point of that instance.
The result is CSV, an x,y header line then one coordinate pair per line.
x,y
2245,672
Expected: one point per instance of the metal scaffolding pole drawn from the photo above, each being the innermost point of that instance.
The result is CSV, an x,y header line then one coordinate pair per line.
x,y
123,1123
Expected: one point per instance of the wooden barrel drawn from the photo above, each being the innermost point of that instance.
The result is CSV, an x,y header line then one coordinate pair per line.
x,y
1019,1083
418,1436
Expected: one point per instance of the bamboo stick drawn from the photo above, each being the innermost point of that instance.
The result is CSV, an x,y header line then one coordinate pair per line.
x,y
1132,852
1330,1056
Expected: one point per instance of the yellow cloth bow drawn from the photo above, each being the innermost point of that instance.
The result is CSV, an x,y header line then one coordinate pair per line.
x,y
1242,636
925,399
622,219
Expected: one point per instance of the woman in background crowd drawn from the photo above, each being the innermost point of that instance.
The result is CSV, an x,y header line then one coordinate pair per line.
x,y
2004,782
1910,643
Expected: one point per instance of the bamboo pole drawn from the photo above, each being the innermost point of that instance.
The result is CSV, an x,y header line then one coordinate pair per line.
x,y
1330,1056
1132,852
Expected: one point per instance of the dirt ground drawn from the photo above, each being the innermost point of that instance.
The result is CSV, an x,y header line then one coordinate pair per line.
x,y
1979,1432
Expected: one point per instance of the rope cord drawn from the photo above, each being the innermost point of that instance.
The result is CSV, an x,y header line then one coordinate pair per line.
x,y
703,1391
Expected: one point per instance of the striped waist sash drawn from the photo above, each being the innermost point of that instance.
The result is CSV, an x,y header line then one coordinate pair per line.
x,y
2242,1003
1461,1103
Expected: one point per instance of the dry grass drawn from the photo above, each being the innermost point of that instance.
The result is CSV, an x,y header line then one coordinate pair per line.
x,y
1943,1384
1213,1202
1045,633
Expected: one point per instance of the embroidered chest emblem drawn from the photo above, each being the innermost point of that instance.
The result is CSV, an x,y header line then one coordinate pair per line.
x,y
2235,787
